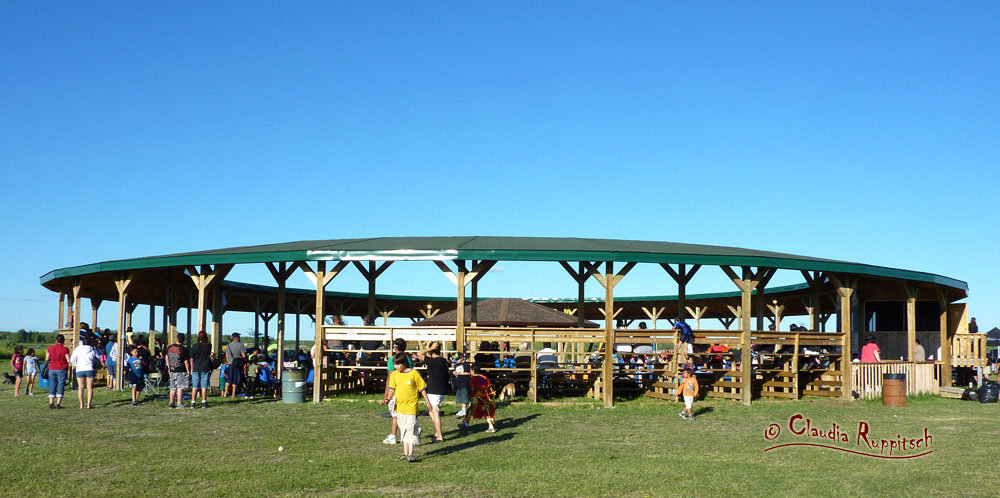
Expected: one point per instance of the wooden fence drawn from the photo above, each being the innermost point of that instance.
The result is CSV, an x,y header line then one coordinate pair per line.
x,y
920,377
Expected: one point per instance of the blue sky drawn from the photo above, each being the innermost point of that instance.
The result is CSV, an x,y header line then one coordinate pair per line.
x,y
853,131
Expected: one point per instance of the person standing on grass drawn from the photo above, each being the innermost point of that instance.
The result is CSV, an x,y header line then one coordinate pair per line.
x,y
30,372
405,386
110,352
688,388
136,373
236,354
398,346
482,405
202,361
462,377
437,385
179,366
85,359
17,364
58,358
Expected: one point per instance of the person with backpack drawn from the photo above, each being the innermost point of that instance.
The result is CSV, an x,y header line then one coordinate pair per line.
x,y
179,365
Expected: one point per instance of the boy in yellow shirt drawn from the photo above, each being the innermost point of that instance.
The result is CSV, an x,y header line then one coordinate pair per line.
x,y
689,389
407,385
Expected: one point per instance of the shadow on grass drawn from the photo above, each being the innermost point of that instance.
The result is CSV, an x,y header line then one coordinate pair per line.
x,y
697,412
447,450
502,424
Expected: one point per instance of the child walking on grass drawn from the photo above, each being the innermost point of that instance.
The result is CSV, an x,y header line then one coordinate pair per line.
x,y
689,389
30,372
407,386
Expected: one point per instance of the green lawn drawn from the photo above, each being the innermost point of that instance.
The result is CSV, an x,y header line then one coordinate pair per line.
x,y
638,448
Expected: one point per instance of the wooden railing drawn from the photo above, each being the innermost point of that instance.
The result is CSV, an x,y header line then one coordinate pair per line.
x,y
968,350
920,377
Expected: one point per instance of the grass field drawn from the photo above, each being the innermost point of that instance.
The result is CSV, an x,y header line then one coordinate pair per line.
x,y
639,448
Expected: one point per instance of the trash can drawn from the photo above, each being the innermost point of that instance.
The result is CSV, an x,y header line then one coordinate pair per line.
x,y
293,385
894,389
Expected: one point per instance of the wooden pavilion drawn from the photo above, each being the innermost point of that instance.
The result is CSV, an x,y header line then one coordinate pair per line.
x,y
845,290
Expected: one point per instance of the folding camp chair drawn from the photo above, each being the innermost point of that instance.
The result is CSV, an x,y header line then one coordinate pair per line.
x,y
154,385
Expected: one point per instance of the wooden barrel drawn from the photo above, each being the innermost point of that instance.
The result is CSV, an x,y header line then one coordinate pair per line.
x,y
894,389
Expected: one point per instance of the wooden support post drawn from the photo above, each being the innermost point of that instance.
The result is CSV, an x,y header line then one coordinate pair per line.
x,y
256,322
216,320
945,354
122,284
385,314
460,303
697,312
62,301
609,280
609,334
95,303
580,276
202,279
461,278
281,273
371,274
533,387
911,320
152,324
76,313
747,283
298,324
795,366
845,289
474,301
130,307
682,276
172,331
321,278
654,313
777,310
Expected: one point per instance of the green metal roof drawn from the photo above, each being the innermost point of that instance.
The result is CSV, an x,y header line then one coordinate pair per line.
x,y
502,249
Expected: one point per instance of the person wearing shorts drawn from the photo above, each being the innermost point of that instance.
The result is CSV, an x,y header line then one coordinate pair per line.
x,y
30,372
437,384
202,363
689,389
136,374
84,360
398,346
406,385
179,366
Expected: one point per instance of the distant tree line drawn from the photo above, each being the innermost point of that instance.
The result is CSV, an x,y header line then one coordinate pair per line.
x,y
27,337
